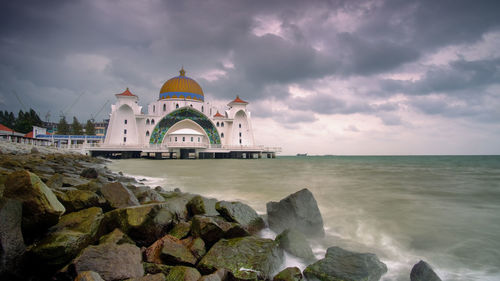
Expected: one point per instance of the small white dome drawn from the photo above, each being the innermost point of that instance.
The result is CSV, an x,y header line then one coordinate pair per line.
x,y
186,132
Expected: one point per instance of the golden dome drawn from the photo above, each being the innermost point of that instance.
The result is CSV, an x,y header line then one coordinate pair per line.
x,y
181,87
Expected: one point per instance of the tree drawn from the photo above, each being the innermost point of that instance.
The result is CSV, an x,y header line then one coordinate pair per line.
x,y
89,128
63,127
23,122
76,127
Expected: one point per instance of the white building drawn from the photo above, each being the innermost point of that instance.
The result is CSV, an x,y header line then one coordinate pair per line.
x,y
182,124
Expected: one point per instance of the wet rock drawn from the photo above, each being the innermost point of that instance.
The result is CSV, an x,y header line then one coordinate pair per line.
x,y
72,179
119,196
181,229
55,181
174,252
340,264
246,258
298,211
111,261
150,277
93,185
74,199
289,274
242,214
145,224
89,173
34,150
150,196
154,268
41,209
196,246
177,202
88,276
183,273
422,271
116,237
74,232
219,275
296,244
199,205
207,229
12,246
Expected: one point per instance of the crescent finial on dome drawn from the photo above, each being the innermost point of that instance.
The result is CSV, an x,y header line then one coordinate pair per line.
x,y
182,71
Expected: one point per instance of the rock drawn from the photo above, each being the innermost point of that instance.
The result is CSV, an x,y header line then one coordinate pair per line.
x,y
55,181
89,173
111,261
340,264
181,229
41,209
154,268
12,246
174,252
74,200
177,202
88,276
298,211
149,196
183,273
199,205
219,275
246,258
196,246
74,232
422,271
150,277
116,237
93,185
296,244
289,274
34,150
145,224
242,214
119,196
211,229
72,180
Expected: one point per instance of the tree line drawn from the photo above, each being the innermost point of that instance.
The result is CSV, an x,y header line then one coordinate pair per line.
x,y
24,122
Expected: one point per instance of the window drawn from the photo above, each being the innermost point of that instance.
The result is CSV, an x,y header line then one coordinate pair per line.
x,y
152,121
210,112
217,124
198,139
153,108
240,134
177,105
240,141
147,133
183,139
170,139
222,124
239,125
147,122
175,139
202,108
124,139
125,131
164,107
125,121
191,105
222,135
192,139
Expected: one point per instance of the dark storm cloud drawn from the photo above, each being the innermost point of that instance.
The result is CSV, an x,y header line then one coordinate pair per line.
x,y
51,51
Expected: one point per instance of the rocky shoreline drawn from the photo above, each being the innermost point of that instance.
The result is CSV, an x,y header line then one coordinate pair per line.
x,y
66,216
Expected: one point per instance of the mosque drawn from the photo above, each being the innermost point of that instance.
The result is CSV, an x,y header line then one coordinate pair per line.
x,y
181,124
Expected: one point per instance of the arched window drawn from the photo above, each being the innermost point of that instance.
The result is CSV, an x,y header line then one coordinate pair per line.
x,y
147,121
152,121
222,135
175,139
125,121
170,139
222,124
147,133
124,139
125,131
183,139
202,108
240,134
192,139
239,125
176,105
210,112
217,124
240,141
198,139
154,108
164,107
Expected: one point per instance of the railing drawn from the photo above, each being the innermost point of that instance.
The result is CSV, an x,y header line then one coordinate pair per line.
x,y
166,146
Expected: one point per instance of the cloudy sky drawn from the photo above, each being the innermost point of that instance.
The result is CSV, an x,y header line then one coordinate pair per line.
x,y
323,77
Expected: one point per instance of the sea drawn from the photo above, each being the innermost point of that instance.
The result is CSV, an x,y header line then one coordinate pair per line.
x,y
441,209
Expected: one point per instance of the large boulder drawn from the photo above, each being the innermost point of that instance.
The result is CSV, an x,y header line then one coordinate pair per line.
x,y
111,261
89,173
289,274
177,202
196,246
145,224
199,205
118,195
340,264
296,244
169,250
12,245
246,258
149,196
41,209
116,237
183,273
422,271
74,232
297,211
242,214
181,229
88,276
211,229
74,199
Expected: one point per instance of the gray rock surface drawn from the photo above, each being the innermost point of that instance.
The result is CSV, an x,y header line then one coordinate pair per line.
x,y
242,214
119,196
340,264
296,244
422,271
298,211
200,205
88,276
12,246
289,274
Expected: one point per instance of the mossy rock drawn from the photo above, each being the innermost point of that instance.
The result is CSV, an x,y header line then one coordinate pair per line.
x,y
175,252
246,258
183,273
289,274
154,268
181,229
74,232
242,214
116,237
74,200
200,205
118,196
177,202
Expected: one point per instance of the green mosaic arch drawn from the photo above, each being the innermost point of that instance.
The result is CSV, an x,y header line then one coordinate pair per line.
x,y
180,114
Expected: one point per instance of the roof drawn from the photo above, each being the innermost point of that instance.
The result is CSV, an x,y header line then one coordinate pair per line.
x,y
29,135
218,114
127,93
238,100
5,128
186,131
